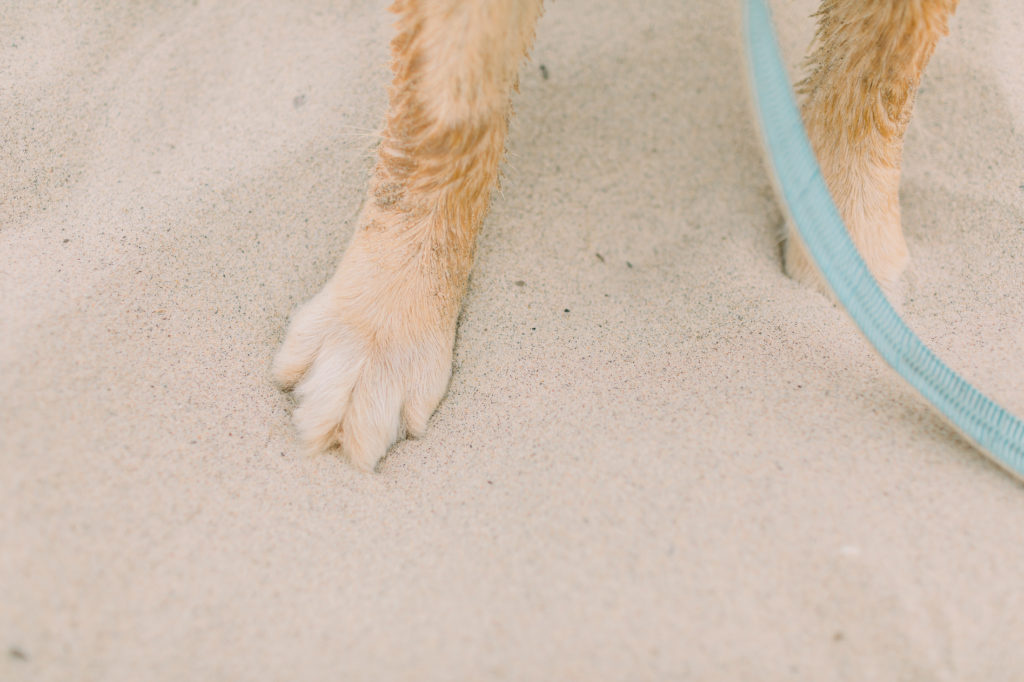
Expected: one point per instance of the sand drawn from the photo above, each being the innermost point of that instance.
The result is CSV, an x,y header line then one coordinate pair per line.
x,y
659,458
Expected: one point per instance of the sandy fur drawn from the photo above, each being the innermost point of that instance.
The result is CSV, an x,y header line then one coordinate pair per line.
x,y
858,98
370,356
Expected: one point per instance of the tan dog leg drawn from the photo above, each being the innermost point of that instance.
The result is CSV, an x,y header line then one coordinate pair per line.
x,y
370,355
858,99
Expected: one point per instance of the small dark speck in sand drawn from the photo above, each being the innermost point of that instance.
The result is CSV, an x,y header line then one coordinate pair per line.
x,y
629,265
599,257
566,310
520,283
17,654
299,101
544,72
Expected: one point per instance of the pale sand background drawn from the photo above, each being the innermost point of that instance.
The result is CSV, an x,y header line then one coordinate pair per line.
x,y
699,472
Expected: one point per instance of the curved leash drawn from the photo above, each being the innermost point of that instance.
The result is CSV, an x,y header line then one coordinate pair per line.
x,y
995,431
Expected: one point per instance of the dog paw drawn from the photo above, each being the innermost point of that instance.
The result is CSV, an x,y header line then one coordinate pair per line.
x,y
368,362
887,264
800,267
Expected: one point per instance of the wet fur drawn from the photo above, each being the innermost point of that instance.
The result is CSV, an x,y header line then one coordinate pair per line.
x,y
369,357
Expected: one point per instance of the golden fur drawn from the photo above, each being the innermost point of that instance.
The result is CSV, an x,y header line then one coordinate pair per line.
x,y
369,357
857,102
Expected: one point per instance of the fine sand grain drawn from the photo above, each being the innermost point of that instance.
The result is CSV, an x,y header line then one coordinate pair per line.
x,y
659,458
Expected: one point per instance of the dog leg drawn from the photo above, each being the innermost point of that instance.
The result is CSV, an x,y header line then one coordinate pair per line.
x,y
857,101
370,355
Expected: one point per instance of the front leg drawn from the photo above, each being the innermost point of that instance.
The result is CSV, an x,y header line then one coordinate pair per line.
x,y
370,355
858,99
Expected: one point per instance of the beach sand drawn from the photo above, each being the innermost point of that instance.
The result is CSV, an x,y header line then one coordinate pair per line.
x,y
659,458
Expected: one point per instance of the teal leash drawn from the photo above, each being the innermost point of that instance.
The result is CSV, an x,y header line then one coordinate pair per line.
x,y
990,427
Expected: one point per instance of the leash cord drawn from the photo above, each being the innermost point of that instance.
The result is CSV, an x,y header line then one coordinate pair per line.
x,y
991,428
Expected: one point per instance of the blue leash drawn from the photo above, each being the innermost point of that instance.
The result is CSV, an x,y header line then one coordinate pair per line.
x,y
991,428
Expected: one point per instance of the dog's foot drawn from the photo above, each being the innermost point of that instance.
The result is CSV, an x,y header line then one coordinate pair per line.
x,y
887,265
799,266
369,358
